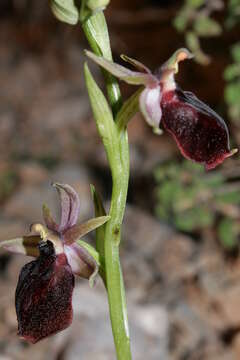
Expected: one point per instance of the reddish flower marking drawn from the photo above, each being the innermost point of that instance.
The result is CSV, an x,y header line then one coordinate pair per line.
x,y
201,134
44,295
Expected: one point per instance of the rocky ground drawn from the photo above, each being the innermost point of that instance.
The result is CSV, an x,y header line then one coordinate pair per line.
x,y
183,295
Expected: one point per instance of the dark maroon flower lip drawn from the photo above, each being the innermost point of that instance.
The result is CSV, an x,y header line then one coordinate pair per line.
x,y
44,295
191,99
200,133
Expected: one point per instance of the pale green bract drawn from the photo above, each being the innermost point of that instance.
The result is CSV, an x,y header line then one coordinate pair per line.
x,y
97,4
66,11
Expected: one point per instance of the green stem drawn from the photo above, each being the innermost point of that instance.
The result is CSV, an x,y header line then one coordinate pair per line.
x,y
115,286
117,149
95,29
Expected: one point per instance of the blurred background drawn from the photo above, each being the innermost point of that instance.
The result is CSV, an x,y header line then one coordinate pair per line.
x,y
180,250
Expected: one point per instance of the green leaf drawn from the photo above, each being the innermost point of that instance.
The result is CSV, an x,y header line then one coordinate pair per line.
x,y
236,52
65,11
128,110
168,192
97,34
194,219
98,204
180,22
227,234
232,93
229,197
193,43
195,3
231,72
100,232
96,31
213,181
162,212
205,26
102,113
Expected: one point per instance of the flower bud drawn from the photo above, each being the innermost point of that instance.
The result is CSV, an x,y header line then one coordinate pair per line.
x,y
95,5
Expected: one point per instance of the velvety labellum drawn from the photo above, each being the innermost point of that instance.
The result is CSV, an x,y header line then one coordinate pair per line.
x,y
44,295
200,133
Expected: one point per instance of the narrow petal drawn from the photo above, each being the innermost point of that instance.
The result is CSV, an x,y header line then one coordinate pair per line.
x,y
81,262
48,219
76,232
137,64
44,295
149,102
129,76
70,206
200,133
25,245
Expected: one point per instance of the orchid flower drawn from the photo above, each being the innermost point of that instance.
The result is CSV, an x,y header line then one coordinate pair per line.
x,y
44,291
200,133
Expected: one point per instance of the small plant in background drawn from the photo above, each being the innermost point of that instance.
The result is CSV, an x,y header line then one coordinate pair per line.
x,y
193,201
8,183
233,17
232,88
195,20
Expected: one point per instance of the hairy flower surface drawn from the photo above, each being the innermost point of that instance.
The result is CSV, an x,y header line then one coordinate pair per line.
x,y
44,295
44,291
200,133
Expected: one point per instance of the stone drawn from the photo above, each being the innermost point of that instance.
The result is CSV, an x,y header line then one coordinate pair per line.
x,y
32,173
10,228
148,326
26,204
